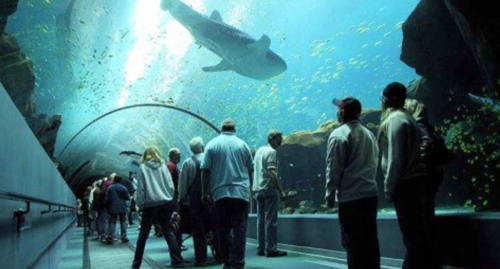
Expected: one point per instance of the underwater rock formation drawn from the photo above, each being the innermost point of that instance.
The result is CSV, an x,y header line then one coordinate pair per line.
x,y
16,74
439,43
455,47
18,78
479,24
16,70
45,129
8,7
302,163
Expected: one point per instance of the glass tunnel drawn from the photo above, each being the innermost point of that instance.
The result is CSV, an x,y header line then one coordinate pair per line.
x,y
99,81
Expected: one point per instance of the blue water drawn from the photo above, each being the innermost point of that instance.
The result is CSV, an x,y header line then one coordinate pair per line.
x,y
124,52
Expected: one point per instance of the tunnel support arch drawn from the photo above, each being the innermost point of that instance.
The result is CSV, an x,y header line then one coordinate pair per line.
x,y
185,111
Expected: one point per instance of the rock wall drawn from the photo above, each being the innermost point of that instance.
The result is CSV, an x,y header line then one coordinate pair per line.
x,y
18,78
16,74
455,46
302,164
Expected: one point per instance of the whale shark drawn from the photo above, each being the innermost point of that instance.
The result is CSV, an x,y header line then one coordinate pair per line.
x,y
239,52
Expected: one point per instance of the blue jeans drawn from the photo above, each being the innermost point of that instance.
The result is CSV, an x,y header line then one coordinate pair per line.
x,y
232,220
267,219
123,225
103,219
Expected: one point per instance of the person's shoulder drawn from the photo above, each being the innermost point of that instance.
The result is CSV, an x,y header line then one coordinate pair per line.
x,y
340,133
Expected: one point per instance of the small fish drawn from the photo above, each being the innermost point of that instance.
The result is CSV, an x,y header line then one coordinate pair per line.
x,y
81,21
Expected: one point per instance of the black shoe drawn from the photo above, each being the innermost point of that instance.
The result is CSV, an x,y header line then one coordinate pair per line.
x,y
183,248
261,253
125,240
178,265
276,253
200,264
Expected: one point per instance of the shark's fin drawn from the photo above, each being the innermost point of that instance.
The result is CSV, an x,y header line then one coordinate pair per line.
x,y
222,66
215,16
260,46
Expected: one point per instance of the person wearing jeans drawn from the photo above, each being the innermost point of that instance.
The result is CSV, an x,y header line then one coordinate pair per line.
x,y
155,197
267,189
117,204
227,169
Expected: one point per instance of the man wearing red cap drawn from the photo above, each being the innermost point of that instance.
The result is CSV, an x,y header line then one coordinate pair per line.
x,y
352,159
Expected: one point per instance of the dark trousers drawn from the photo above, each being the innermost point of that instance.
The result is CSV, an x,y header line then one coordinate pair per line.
x,y
409,202
162,214
232,218
199,221
358,227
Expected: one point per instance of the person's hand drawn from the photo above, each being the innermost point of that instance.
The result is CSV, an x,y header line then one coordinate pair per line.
x,y
206,199
176,216
283,196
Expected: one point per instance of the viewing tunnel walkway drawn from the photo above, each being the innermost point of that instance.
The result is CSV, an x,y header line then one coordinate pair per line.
x,y
87,252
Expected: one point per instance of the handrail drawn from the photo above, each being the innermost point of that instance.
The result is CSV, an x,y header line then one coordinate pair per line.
x,y
26,198
19,213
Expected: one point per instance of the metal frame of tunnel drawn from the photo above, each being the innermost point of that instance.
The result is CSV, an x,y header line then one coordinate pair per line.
x,y
136,106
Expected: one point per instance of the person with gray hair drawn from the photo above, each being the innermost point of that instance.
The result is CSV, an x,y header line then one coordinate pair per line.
x,y
190,191
227,169
267,189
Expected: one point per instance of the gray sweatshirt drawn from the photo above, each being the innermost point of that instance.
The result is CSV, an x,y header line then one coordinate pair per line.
x,y
154,185
399,140
351,163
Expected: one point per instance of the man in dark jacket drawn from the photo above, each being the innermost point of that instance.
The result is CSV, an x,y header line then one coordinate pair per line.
x,y
117,204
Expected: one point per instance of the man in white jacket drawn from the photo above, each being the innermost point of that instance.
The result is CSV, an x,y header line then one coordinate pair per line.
x,y
351,168
404,172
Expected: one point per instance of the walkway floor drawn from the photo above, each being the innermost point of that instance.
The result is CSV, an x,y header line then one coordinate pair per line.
x,y
119,255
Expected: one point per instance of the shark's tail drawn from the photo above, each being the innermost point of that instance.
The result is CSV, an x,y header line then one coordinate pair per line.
x,y
166,4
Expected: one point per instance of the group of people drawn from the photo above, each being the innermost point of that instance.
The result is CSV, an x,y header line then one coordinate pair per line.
x,y
104,203
219,181
407,145
216,184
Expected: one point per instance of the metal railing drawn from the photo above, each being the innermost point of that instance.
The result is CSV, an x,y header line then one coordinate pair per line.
x,y
20,213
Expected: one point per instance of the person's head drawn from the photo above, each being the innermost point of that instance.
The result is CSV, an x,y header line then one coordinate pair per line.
x,y
151,154
348,109
416,109
196,145
117,179
393,96
275,138
112,176
105,179
228,125
174,155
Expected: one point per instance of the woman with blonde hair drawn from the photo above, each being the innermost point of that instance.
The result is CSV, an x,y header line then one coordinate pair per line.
x,y
155,198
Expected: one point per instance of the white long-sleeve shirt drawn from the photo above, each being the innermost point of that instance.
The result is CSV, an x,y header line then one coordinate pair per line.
x,y
188,173
400,140
351,163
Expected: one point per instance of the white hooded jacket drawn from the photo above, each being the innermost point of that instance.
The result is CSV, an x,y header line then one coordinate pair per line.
x,y
154,185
